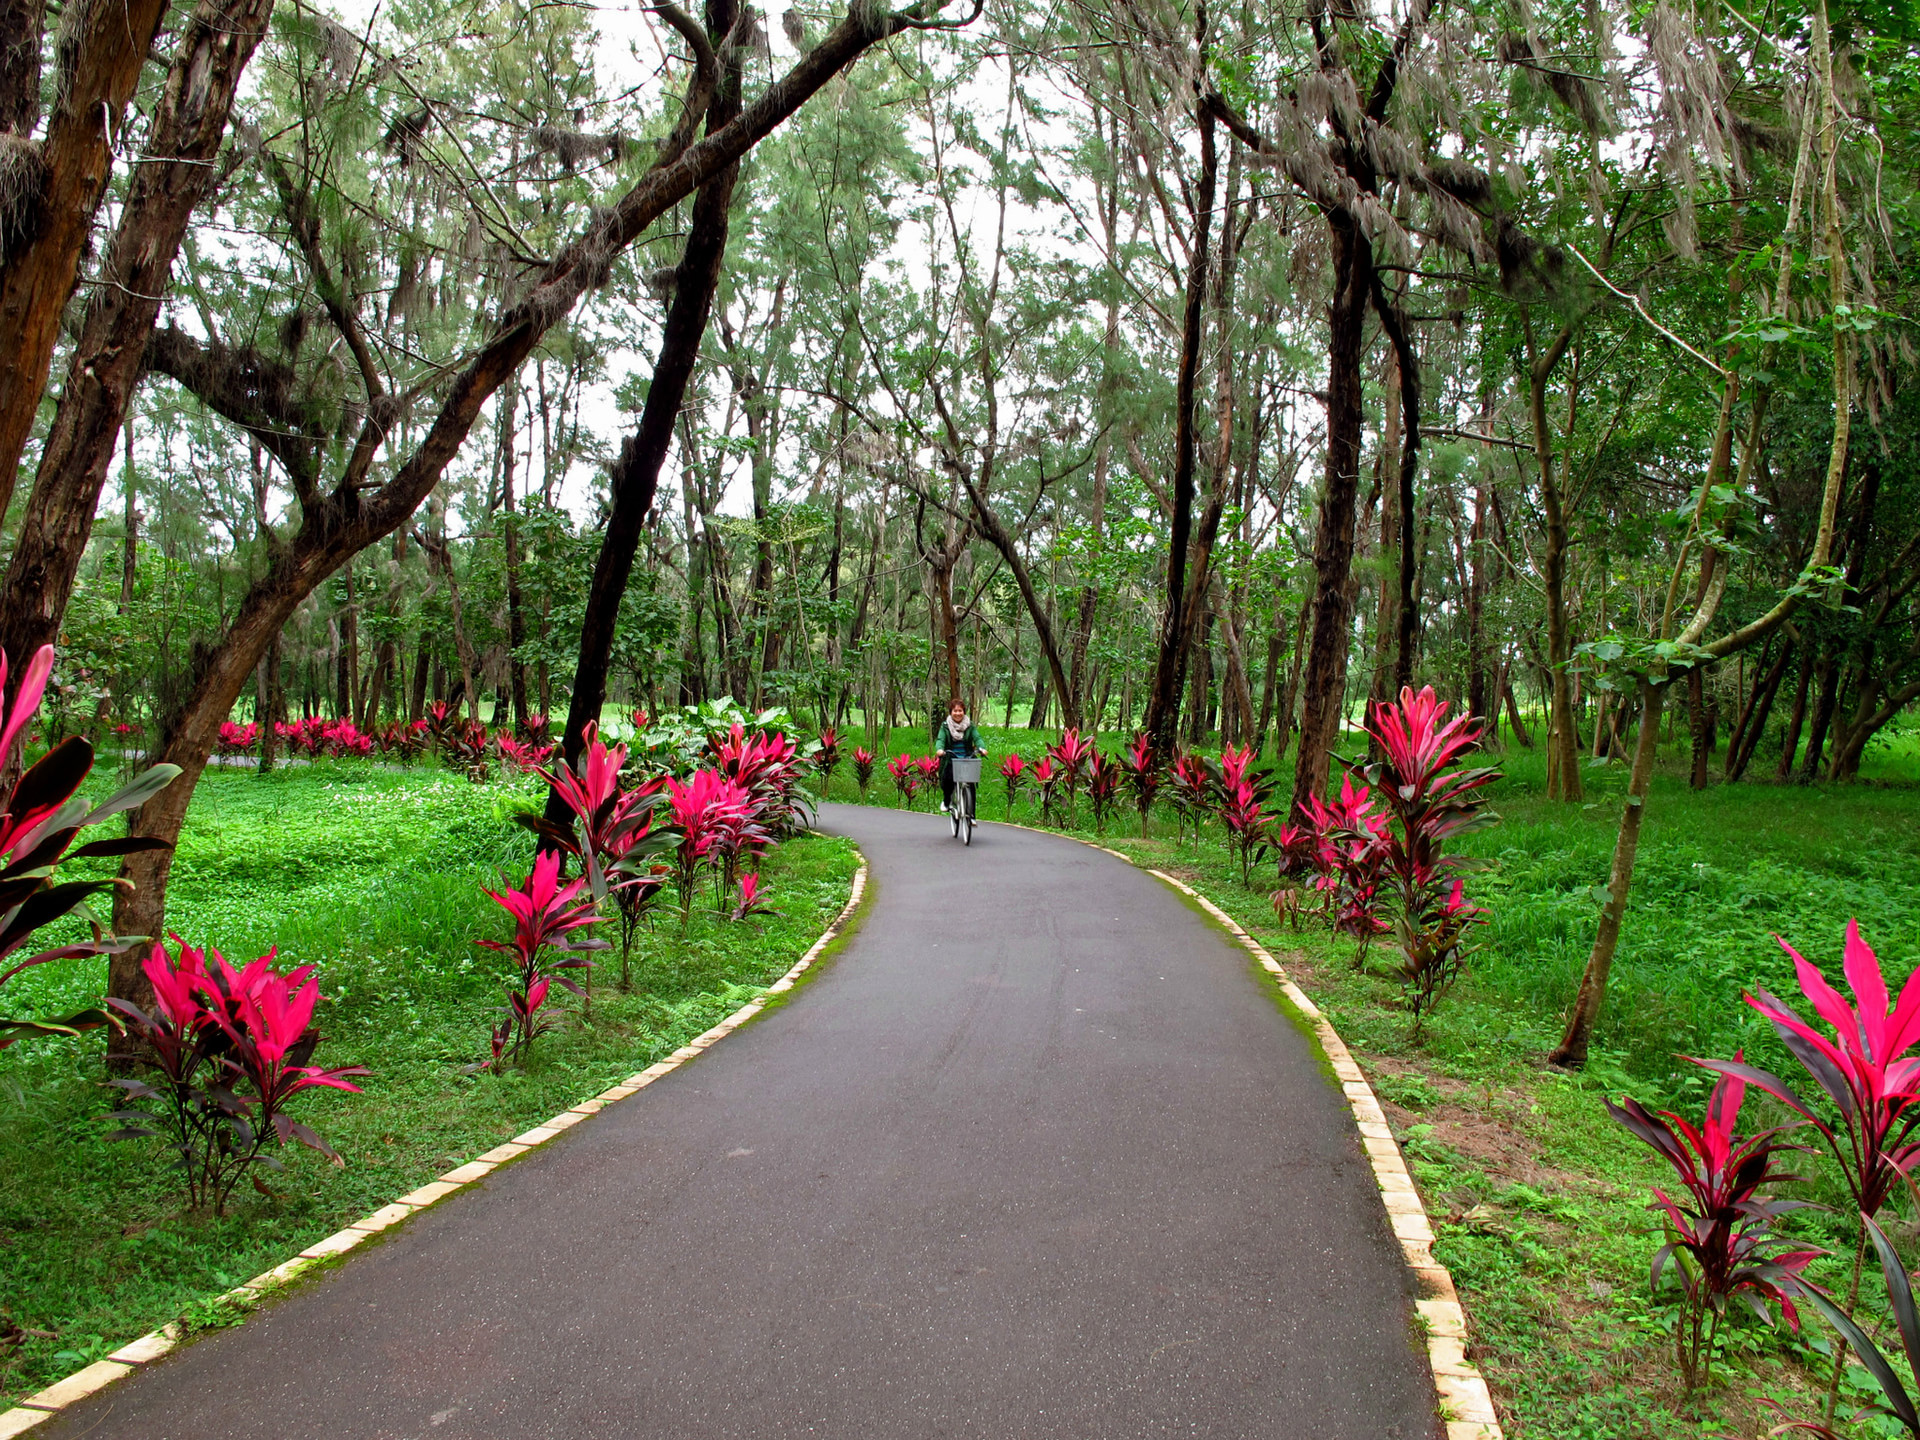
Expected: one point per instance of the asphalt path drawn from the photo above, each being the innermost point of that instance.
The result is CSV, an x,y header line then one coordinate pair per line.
x,y
1036,1155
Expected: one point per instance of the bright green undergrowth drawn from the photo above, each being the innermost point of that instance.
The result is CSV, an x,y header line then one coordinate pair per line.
x,y
1538,1197
375,876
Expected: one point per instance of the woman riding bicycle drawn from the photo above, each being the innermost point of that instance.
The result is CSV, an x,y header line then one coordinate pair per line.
x,y
957,736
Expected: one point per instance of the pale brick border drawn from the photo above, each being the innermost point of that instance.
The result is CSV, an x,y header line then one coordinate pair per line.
x,y
45,1404
1465,1403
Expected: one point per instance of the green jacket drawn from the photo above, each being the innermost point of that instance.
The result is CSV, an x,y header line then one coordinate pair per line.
x,y
967,745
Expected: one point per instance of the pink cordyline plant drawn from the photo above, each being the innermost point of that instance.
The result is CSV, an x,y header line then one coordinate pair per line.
x,y
230,1048
1142,768
1190,788
1245,819
767,769
44,815
741,837
1240,795
753,899
547,916
407,739
605,814
1350,852
906,777
1103,788
1046,779
1298,854
826,758
1865,1072
1720,1232
862,770
612,836
1073,752
700,810
929,768
237,739
1013,770
519,757
1429,807
1236,765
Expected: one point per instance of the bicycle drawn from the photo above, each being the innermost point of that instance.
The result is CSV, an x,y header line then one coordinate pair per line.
x,y
966,780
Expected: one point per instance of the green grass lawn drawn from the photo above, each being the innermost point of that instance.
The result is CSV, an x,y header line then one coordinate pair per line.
x,y
374,876
1538,1197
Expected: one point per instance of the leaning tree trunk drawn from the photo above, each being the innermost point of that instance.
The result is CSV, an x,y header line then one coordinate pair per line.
x,y
1593,982
635,476
108,357
98,59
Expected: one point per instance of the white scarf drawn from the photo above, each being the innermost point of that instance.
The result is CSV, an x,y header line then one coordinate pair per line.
x,y
958,728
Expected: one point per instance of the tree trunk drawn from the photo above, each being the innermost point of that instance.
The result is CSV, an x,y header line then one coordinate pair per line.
x,y
350,648
1752,721
1283,720
510,543
1276,644
188,125
1514,721
1478,703
1324,702
1827,672
21,26
130,540
1163,704
422,668
1039,609
1572,1050
948,625
1236,693
1573,1046
635,477
1089,605
1407,373
1796,717
1697,728
269,704
98,58
442,555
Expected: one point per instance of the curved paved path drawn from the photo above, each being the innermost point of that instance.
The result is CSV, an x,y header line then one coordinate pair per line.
x,y
1036,1156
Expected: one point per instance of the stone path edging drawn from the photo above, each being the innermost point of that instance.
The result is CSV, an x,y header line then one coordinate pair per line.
x,y
1466,1404
45,1404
